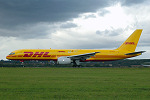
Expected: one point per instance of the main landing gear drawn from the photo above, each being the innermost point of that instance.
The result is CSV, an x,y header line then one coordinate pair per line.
x,y
76,63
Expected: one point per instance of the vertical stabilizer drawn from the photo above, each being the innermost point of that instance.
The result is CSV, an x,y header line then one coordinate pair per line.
x,y
131,43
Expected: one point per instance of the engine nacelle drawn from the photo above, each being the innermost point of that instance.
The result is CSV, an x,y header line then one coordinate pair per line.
x,y
63,60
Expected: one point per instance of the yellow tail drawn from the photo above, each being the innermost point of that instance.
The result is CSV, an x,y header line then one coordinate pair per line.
x,y
131,43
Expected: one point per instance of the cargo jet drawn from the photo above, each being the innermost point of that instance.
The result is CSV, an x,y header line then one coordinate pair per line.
x,y
75,56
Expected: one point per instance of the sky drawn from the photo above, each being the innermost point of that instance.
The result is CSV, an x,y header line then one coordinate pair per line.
x,y
72,24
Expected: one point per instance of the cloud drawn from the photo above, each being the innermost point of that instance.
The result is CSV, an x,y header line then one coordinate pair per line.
x,y
32,19
90,16
18,12
68,25
113,32
103,12
40,30
28,19
131,2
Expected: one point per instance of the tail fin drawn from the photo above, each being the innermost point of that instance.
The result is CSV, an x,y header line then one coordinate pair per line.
x,y
131,43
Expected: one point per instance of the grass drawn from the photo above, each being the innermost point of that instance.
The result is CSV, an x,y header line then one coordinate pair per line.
x,y
74,83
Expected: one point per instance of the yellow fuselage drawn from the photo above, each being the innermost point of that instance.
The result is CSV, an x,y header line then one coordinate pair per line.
x,y
54,54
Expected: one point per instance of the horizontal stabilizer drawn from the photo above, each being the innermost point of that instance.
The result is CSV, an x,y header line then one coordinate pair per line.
x,y
133,53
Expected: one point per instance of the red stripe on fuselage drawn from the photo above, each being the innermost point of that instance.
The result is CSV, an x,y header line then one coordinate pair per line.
x,y
28,54
46,54
37,54
61,51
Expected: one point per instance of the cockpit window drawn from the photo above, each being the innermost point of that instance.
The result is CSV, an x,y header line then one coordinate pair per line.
x,y
12,53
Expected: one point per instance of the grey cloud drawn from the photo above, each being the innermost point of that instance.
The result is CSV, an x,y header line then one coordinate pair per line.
x,y
68,25
89,16
18,17
115,32
103,12
131,2
29,31
16,12
99,32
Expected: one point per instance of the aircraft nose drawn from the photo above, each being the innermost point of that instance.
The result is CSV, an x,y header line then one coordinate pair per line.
x,y
7,57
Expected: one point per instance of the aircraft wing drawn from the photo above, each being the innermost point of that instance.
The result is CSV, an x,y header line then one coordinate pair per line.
x,y
82,56
133,53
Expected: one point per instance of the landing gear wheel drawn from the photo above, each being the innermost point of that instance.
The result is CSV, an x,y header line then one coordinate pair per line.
x,y
76,66
79,66
76,63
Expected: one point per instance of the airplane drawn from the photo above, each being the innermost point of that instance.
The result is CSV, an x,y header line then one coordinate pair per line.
x,y
75,56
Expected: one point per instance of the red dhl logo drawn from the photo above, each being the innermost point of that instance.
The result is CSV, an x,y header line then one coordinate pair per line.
x,y
131,43
36,54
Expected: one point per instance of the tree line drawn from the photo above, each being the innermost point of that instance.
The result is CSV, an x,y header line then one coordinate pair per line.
x,y
119,63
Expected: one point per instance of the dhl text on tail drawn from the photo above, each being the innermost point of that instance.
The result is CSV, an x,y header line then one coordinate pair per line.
x,y
75,56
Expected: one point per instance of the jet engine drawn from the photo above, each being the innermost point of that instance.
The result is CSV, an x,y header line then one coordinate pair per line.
x,y
63,60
